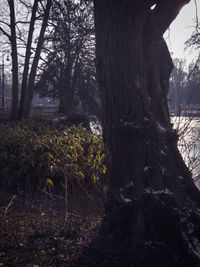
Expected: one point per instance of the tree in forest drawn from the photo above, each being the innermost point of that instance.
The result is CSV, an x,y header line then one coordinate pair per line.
x,y
184,92
69,70
28,78
13,30
11,36
192,92
178,82
28,84
152,212
192,89
194,40
184,82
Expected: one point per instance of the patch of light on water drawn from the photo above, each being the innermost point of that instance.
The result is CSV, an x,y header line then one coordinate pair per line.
x,y
189,143
96,127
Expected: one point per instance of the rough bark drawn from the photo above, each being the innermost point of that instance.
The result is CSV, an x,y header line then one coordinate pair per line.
x,y
27,61
13,41
152,200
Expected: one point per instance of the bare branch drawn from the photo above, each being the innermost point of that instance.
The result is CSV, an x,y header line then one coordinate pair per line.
x,y
5,33
43,8
22,22
6,210
25,4
5,23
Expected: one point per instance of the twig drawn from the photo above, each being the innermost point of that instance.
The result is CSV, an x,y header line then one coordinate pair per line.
x,y
6,210
74,215
47,193
66,203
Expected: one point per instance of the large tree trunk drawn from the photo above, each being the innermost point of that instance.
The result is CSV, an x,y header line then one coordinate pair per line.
x,y
152,209
15,82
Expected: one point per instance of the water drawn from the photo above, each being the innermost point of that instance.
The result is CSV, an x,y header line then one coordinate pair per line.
x,y
189,143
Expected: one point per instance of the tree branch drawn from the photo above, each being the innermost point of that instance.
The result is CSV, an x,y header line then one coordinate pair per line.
x,y
5,33
162,16
22,22
5,23
25,4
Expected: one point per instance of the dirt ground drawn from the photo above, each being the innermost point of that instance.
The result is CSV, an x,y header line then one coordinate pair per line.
x,y
34,232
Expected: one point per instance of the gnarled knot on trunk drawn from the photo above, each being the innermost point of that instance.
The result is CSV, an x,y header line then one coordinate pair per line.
x,y
167,132
127,126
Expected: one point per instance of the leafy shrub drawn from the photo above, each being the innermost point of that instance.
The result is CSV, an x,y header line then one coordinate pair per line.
x,y
34,155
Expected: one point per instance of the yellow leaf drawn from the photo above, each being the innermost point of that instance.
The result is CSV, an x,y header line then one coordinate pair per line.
x,y
104,169
49,181
105,189
49,156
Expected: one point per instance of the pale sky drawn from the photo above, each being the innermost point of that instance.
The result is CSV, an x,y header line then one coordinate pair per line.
x,y
181,30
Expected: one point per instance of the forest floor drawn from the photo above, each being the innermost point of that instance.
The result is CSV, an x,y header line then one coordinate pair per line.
x,y
33,233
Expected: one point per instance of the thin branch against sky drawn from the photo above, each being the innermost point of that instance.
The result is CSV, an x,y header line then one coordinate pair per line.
x,y
181,30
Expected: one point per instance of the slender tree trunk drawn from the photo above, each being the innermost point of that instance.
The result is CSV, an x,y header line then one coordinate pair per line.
x,y
32,75
67,88
152,200
61,96
15,82
27,61
3,83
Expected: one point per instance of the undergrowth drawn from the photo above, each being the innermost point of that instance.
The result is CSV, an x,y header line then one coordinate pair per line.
x,y
64,169
34,155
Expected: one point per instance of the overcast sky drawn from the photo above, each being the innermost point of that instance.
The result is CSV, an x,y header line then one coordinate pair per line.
x,y
181,30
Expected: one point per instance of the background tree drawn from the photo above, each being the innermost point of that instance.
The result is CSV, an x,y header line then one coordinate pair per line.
x,y
192,92
184,95
27,60
194,68
193,86
152,212
34,66
69,71
9,31
15,30
178,81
